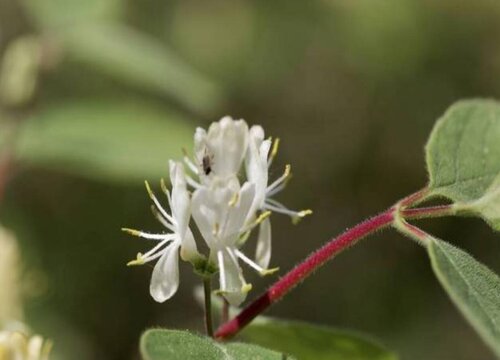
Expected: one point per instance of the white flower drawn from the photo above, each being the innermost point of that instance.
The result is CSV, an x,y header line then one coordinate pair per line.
x,y
15,345
220,212
257,164
165,277
220,151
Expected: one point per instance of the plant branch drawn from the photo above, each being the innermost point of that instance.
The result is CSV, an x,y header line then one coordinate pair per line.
x,y
303,270
428,212
207,287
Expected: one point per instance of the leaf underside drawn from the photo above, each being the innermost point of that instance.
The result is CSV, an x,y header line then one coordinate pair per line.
x,y
473,287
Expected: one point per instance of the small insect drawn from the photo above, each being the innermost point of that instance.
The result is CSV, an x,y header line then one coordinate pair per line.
x,y
206,163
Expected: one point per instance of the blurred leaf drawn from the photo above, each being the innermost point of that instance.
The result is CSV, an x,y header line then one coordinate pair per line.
x,y
56,13
473,287
141,61
306,341
109,140
178,345
463,158
242,351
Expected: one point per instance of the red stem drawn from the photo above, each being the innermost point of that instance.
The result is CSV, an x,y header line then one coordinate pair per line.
x,y
303,270
426,212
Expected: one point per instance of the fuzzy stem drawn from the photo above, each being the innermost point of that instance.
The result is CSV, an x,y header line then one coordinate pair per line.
x,y
429,212
207,286
303,270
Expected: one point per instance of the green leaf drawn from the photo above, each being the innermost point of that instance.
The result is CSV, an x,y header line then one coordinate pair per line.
x,y
463,158
305,341
242,351
53,14
473,287
109,140
179,345
140,60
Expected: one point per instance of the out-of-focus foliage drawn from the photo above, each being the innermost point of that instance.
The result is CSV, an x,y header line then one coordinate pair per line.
x,y
10,263
351,87
110,139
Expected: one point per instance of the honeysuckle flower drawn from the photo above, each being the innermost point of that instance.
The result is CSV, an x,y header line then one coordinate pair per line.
x,y
15,345
165,277
257,164
220,151
220,212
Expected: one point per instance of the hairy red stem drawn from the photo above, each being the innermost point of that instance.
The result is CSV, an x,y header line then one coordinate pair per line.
x,y
427,212
303,270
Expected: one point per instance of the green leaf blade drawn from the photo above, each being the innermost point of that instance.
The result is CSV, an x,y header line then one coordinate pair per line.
x,y
159,344
463,158
305,341
473,288
463,151
243,351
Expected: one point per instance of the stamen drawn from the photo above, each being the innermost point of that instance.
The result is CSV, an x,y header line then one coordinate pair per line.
x,y
143,234
274,205
281,179
246,287
278,188
189,163
164,188
147,256
216,229
193,183
264,215
234,199
161,219
158,205
248,261
255,266
138,261
274,151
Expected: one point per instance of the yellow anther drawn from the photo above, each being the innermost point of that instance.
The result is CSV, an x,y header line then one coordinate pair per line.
x,y
274,150
268,271
216,228
138,261
246,288
300,215
163,186
234,199
148,188
305,212
288,170
263,216
132,231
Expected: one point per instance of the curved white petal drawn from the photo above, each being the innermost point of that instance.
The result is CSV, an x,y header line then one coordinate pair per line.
x,y
165,277
181,202
234,289
237,214
226,143
263,251
188,247
205,214
256,164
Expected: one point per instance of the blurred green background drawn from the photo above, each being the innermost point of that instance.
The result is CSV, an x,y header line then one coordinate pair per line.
x,y
97,95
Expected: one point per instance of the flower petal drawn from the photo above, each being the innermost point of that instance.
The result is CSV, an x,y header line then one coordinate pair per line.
x,y
237,214
227,142
235,289
263,251
181,202
165,277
